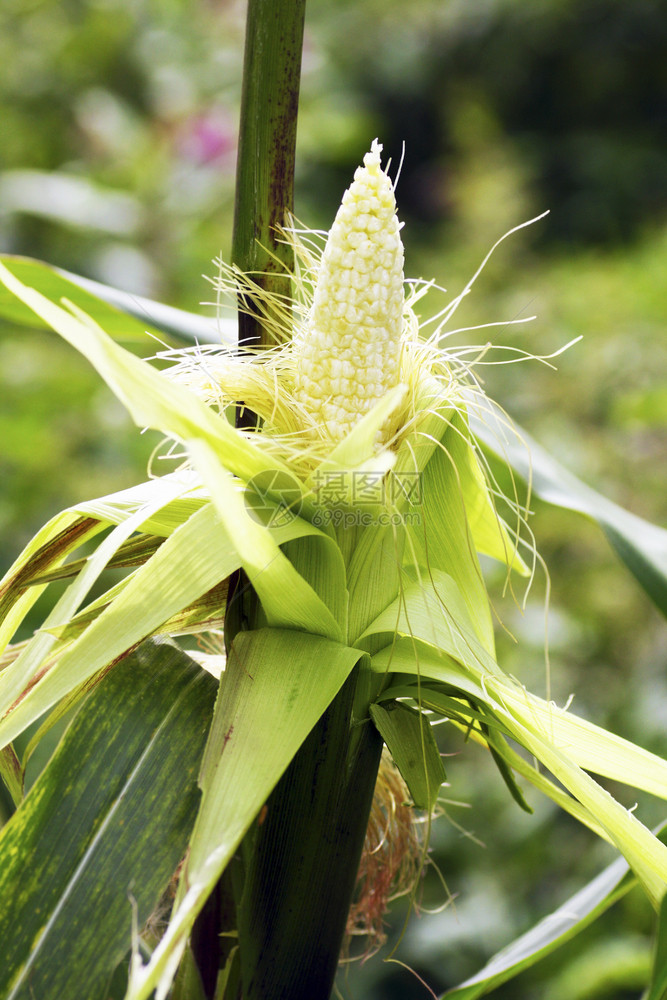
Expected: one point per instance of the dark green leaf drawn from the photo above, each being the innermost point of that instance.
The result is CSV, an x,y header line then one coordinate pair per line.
x,y
103,828
496,744
409,737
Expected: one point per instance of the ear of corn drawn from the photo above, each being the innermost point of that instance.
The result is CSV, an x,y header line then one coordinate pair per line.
x,y
348,355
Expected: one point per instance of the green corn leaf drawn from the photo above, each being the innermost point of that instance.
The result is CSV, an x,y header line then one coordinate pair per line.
x,y
31,658
49,548
104,827
123,315
514,710
188,984
151,400
550,933
276,686
192,560
408,735
642,546
184,326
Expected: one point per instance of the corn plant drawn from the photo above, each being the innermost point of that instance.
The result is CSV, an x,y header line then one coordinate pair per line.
x,y
198,832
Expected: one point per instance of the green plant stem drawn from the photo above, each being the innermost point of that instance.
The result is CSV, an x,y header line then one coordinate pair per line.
x,y
266,152
264,200
306,856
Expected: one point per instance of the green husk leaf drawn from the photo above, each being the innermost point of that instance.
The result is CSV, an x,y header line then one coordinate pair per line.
x,y
438,420
166,503
432,612
593,748
357,449
287,599
432,608
458,711
103,828
134,552
187,497
408,735
435,411
373,578
646,855
497,749
318,560
444,541
490,534
49,548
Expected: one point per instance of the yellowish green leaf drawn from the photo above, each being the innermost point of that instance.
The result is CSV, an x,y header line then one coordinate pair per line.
x,y
192,560
151,399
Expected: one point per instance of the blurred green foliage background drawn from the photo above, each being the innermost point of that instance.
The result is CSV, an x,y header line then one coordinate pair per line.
x,y
118,132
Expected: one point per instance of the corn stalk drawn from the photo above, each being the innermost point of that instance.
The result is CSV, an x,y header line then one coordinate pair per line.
x,y
299,867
